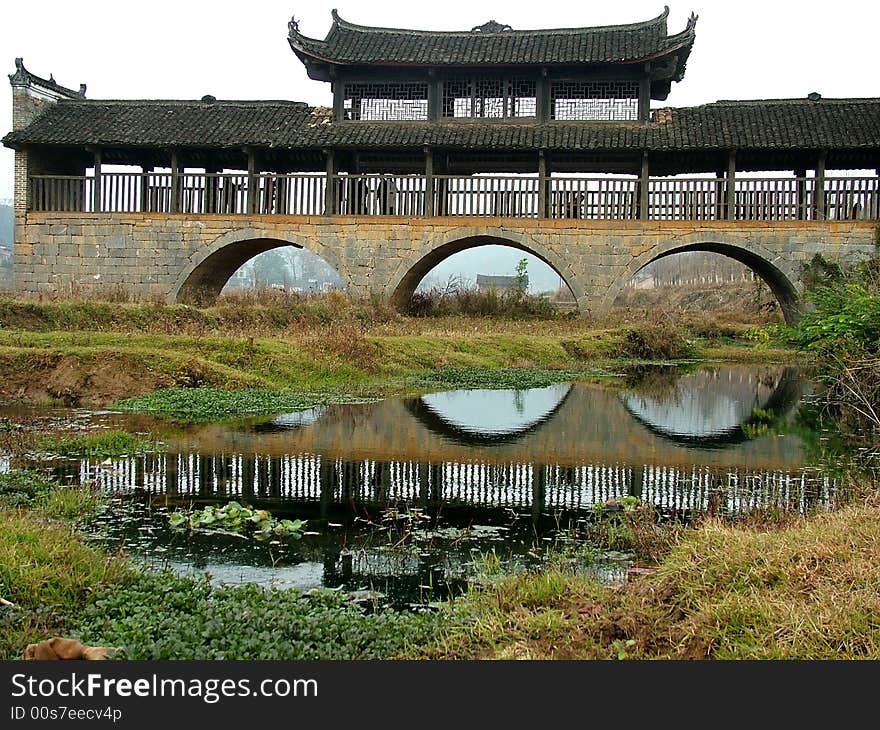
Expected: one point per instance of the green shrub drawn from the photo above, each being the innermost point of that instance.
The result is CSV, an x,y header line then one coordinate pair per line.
x,y
653,342
846,318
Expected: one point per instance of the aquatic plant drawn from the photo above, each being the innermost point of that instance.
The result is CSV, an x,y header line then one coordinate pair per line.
x,y
194,619
22,487
514,378
97,444
237,518
194,405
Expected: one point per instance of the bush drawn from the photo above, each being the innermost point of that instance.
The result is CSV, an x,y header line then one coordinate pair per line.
x,y
846,318
653,342
455,300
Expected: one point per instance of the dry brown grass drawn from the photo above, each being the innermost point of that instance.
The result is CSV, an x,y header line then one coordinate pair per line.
x,y
804,588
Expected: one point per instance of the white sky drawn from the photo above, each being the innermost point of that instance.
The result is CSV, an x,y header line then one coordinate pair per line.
x,y
171,49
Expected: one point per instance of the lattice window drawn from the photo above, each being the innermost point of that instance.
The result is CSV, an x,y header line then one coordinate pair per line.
x,y
594,100
401,101
489,98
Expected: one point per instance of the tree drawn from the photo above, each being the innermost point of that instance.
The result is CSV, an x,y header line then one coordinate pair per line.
x,y
522,277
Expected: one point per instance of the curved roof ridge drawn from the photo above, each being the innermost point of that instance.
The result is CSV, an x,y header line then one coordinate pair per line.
x,y
788,100
186,102
348,25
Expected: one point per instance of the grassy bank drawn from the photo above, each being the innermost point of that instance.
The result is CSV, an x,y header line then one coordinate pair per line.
x,y
96,353
54,584
806,590
800,589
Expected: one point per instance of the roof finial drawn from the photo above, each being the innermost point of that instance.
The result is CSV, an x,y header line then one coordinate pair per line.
x,y
490,27
293,25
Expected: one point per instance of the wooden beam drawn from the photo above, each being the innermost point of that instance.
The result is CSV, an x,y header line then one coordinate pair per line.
x,y
175,182
338,87
820,185
435,95
645,98
543,184
644,185
542,90
429,182
96,201
253,183
332,183
801,184
731,185
146,169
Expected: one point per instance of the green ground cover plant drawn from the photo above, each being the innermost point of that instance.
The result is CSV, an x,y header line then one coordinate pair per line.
x,y
95,444
194,405
163,616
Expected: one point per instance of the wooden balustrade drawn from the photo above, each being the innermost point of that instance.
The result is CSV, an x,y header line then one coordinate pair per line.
x,y
512,196
594,198
484,195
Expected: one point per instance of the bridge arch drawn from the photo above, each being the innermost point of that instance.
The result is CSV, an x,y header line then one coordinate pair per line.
x,y
210,267
779,275
413,269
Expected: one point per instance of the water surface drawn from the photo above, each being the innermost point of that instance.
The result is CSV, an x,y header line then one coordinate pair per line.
x,y
406,497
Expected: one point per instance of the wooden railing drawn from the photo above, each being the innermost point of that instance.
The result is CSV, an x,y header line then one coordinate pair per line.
x,y
594,198
504,197
512,196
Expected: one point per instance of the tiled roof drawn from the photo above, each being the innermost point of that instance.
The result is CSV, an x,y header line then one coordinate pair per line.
x,y
492,43
169,123
23,77
762,125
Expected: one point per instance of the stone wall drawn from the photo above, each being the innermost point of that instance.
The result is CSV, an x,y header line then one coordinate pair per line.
x,y
174,256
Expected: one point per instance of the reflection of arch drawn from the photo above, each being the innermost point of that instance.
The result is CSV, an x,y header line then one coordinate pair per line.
x,y
209,268
413,269
435,422
780,402
756,257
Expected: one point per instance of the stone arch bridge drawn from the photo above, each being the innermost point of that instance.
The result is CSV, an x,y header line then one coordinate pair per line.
x,y
181,257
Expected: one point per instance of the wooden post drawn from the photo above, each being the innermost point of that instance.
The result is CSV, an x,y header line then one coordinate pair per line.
x,y
175,182
96,193
542,184
212,190
253,182
876,210
435,96
820,185
338,89
145,187
644,188
330,189
801,194
645,99
429,182
542,91
731,185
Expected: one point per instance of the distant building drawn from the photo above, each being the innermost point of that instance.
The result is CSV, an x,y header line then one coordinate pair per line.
x,y
486,281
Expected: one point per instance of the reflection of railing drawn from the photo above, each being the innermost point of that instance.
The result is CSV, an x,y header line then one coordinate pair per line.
x,y
310,478
512,196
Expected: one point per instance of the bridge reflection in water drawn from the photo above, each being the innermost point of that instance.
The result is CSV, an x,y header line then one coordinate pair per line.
x,y
684,445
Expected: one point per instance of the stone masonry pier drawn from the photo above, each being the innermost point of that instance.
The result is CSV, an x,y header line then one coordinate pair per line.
x,y
181,257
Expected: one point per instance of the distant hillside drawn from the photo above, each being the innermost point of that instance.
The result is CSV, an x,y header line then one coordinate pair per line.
x,y
6,225
6,221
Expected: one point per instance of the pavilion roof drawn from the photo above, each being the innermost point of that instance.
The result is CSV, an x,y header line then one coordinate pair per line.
x,y
493,44
784,124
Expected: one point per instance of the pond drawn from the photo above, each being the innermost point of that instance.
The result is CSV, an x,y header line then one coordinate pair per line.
x,y
408,499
